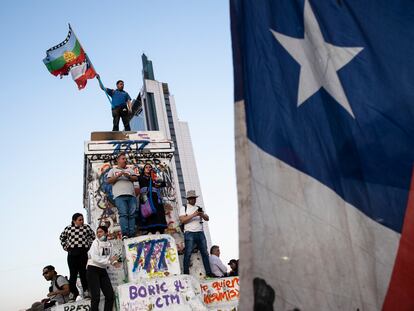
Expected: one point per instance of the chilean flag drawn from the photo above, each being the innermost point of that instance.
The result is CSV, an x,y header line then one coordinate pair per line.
x,y
324,102
82,72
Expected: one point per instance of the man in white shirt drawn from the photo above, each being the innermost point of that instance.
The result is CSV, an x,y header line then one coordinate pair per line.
x,y
217,267
192,216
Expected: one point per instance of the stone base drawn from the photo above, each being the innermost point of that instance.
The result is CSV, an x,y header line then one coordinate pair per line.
x,y
110,135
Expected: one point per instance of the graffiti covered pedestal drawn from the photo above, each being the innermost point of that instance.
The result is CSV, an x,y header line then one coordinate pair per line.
x,y
140,148
178,293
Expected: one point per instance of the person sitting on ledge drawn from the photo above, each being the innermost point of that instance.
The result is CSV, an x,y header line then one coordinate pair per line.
x,y
216,265
58,291
234,265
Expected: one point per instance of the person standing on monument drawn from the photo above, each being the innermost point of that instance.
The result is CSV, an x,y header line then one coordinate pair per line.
x,y
122,180
100,257
121,104
192,216
154,221
76,239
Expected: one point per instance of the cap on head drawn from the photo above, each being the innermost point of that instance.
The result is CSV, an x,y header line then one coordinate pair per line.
x,y
49,268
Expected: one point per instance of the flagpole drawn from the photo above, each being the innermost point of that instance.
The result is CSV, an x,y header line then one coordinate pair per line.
x,y
101,85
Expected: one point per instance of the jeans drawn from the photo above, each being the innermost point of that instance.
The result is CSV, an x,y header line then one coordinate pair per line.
x,y
192,239
77,264
99,280
120,112
126,205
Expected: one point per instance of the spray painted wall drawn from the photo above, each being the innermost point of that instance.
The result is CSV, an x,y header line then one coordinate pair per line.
x,y
84,305
221,294
151,256
141,148
175,293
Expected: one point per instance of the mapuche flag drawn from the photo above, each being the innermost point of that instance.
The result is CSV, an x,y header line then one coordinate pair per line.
x,y
324,103
69,57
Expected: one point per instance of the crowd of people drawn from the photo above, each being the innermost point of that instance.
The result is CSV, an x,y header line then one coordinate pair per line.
x,y
89,254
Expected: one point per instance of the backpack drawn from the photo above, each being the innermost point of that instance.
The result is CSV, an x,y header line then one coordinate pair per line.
x,y
56,284
181,224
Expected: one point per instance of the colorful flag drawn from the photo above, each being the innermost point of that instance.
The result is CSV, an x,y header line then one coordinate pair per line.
x,y
324,102
69,57
81,73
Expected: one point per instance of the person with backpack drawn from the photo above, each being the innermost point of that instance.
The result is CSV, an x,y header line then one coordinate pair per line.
x,y
100,257
76,239
59,290
192,217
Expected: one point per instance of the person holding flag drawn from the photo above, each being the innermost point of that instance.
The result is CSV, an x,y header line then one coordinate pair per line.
x,y
70,57
121,104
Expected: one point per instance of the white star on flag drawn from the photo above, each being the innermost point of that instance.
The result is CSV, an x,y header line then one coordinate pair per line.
x,y
319,61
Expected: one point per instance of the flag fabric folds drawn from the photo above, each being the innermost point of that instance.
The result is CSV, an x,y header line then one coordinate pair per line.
x,y
324,126
81,73
69,57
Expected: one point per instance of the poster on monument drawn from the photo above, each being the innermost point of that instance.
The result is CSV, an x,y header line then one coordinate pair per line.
x,y
222,293
151,256
174,293
82,305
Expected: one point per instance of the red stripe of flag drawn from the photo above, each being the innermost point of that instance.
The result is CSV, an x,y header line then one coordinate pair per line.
x,y
82,80
400,294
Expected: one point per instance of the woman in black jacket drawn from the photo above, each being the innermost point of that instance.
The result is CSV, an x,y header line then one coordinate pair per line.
x,y
76,239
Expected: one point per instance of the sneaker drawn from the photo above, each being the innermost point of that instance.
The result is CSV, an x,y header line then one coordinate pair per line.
x,y
86,295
